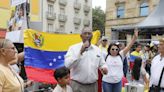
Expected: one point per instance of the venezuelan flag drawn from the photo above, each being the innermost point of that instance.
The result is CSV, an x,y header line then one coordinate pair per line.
x,y
44,52
134,55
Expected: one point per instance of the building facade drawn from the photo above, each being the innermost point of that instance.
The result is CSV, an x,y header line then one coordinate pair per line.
x,y
126,12
66,16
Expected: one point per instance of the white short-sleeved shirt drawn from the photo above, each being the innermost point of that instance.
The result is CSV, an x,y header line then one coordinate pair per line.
x,y
115,68
58,88
156,69
83,68
10,80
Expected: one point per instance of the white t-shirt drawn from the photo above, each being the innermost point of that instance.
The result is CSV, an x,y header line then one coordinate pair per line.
x,y
156,69
115,68
58,88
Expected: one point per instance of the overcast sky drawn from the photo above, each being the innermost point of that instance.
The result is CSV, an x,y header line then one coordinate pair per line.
x,y
101,3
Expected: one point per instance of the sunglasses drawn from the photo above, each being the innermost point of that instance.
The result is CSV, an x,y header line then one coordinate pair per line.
x,y
114,49
104,40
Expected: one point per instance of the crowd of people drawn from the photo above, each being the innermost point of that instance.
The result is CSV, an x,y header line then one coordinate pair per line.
x,y
83,60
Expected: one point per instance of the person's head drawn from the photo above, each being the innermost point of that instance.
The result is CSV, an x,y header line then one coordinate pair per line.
x,y
8,51
62,75
86,34
161,46
147,47
136,68
113,49
121,46
138,47
20,12
104,41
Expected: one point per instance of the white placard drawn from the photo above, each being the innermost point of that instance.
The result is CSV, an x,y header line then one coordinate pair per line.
x,y
17,2
15,36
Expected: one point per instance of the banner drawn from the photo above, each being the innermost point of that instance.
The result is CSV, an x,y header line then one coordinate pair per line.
x,y
15,36
17,2
44,52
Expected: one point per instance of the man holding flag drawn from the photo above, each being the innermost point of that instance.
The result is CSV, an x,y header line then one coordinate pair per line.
x,y
83,60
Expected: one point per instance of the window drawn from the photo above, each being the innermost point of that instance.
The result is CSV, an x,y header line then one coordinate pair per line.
x,y
86,1
50,9
144,9
50,27
62,27
120,11
62,11
76,27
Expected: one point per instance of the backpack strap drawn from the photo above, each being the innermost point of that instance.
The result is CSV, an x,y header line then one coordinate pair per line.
x,y
160,78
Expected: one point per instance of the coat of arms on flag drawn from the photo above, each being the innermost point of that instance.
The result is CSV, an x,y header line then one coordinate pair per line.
x,y
38,39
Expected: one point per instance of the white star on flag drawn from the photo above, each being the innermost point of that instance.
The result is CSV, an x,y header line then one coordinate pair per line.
x,y
50,64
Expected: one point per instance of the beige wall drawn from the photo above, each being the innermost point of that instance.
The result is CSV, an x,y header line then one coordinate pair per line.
x,y
132,10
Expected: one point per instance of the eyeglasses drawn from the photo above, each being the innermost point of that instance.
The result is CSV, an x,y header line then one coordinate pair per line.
x,y
114,49
4,43
104,40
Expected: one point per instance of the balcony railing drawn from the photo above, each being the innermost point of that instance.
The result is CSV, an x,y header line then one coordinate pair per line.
x,y
77,6
86,22
51,0
63,2
60,30
62,17
86,8
50,15
77,20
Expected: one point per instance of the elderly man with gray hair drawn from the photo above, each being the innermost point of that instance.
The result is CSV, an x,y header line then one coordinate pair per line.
x,y
84,59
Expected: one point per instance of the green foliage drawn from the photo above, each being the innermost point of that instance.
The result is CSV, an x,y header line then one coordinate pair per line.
x,y
98,17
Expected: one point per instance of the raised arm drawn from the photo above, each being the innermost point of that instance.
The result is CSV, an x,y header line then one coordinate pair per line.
x,y
20,58
135,36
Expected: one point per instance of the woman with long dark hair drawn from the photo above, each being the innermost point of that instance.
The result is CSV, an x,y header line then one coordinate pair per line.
x,y
138,72
114,60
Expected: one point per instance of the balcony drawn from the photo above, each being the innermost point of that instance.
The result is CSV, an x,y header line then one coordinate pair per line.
x,y
86,22
86,8
62,17
60,30
63,2
119,1
77,6
50,15
51,0
77,20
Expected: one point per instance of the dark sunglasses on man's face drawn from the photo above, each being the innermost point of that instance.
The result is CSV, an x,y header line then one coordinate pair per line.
x,y
114,49
104,40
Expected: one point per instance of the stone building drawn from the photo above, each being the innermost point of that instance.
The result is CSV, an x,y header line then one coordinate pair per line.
x,y
125,13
